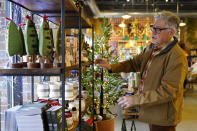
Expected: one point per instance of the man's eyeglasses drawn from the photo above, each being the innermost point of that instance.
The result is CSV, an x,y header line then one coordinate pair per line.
x,y
157,30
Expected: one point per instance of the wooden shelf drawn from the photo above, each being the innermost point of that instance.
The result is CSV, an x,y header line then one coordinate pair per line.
x,y
37,71
29,72
52,8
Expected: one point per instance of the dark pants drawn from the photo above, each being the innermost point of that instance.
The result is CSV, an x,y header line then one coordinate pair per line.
x,y
162,128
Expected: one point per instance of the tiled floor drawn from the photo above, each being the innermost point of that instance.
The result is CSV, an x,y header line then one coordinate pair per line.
x,y
188,123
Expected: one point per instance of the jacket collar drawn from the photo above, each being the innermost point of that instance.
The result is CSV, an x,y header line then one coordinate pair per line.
x,y
168,47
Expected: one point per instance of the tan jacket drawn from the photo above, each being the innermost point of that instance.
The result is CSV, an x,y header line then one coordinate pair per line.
x,y
162,98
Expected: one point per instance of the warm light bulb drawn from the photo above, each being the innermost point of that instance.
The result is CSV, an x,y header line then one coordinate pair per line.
x,y
122,25
126,16
146,41
182,23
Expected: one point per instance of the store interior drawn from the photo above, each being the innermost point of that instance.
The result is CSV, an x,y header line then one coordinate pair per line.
x,y
46,45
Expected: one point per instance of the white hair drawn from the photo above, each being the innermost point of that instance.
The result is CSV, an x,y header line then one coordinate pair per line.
x,y
172,20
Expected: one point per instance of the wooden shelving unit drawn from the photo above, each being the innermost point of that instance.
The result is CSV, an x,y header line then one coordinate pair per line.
x,y
72,17
52,8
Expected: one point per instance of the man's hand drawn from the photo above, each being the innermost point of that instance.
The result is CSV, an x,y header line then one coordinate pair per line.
x,y
103,63
125,101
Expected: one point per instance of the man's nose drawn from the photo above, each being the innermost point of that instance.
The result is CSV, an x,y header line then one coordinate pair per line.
x,y
154,32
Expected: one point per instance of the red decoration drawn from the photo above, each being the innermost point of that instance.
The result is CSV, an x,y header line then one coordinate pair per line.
x,y
68,114
22,24
89,121
45,17
28,17
50,102
60,21
8,19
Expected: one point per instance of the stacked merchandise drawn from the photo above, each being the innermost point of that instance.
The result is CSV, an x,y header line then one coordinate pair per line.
x,y
54,117
29,117
32,117
10,119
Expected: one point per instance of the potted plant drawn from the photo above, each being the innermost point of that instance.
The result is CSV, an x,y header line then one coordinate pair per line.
x,y
110,82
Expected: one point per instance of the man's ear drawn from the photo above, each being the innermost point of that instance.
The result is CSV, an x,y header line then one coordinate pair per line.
x,y
172,32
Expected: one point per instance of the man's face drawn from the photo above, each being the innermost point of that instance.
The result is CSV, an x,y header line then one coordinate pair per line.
x,y
161,33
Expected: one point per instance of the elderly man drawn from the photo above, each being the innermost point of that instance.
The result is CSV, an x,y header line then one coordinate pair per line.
x,y
163,67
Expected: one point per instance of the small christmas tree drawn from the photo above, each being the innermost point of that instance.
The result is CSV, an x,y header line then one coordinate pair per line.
x,y
58,46
15,43
46,42
111,81
31,42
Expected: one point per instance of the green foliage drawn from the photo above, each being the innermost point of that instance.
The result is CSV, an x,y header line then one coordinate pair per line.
x,y
112,81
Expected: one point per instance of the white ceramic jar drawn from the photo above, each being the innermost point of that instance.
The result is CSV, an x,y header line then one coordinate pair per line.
x,y
42,90
54,90
69,94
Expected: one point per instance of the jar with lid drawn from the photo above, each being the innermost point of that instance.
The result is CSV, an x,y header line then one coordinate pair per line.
x,y
74,113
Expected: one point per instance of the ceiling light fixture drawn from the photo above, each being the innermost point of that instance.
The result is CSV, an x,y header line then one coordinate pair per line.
x,y
122,25
126,16
182,23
